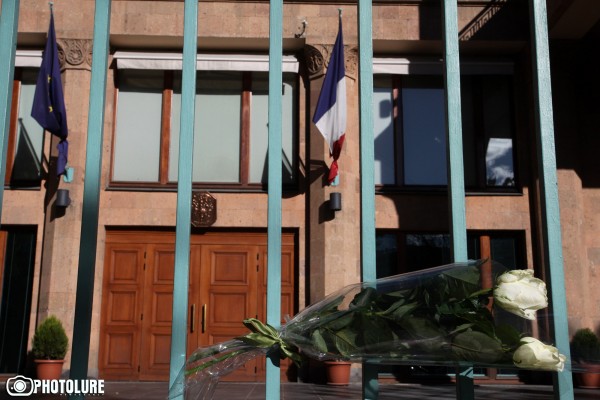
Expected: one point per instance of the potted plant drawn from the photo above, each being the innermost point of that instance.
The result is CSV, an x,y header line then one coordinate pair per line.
x,y
338,372
49,348
585,349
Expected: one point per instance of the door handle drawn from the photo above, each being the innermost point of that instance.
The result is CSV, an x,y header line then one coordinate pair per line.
x,y
204,318
193,319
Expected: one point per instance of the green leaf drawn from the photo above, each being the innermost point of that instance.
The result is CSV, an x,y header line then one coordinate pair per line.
x,y
402,311
477,346
294,356
363,298
340,322
508,335
482,319
406,293
461,328
256,325
258,340
319,341
345,341
469,275
372,331
332,305
422,328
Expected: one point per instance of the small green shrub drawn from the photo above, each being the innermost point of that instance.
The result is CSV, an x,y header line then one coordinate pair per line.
x,y
50,340
585,346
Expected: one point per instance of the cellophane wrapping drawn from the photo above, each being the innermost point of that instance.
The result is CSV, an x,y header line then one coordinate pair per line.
x,y
444,316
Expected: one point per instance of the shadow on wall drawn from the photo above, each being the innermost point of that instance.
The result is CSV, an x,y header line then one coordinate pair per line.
x,y
500,20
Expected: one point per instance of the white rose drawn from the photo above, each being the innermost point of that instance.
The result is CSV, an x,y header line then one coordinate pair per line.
x,y
534,354
520,293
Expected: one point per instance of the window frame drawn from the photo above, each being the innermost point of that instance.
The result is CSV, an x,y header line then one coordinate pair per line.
x,y
243,185
483,241
12,140
478,75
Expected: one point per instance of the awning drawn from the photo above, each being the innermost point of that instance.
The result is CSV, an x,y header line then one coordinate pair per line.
x,y
431,66
207,62
28,58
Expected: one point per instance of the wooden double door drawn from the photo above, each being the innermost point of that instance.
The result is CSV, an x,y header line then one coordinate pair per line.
x,y
227,285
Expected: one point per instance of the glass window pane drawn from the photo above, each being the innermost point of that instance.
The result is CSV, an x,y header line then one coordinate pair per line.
x,y
387,254
30,135
497,118
383,118
427,250
423,132
137,137
505,251
216,128
469,131
259,131
499,162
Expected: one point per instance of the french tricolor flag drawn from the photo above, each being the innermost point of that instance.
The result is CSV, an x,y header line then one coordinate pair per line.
x,y
330,115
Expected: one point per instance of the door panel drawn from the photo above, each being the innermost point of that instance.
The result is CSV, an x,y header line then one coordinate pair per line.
x,y
3,237
228,288
227,279
158,312
287,294
120,329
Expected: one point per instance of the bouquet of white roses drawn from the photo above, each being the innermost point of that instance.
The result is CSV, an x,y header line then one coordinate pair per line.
x,y
437,316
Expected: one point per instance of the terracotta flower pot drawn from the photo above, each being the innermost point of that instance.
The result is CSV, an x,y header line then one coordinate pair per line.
x,y
590,378
338,372
49,369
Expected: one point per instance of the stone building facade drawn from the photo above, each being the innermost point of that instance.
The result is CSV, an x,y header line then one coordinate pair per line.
x,y
324,246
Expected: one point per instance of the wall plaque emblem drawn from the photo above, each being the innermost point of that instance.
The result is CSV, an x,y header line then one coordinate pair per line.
x,y
204,209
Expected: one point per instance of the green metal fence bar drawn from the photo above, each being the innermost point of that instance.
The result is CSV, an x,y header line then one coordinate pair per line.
x,y
456,181
273,386
184,190
91,194
563,382
370,385
8,45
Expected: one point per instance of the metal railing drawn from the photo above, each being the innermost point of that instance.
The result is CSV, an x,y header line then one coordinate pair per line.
x,y
85,283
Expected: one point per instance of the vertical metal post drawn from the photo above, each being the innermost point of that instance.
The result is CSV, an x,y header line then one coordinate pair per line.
x,y
274,189
563,382
184,190
456,180
8,47
367,167
91,194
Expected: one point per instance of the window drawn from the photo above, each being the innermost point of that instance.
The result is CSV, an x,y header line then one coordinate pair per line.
x,y
400,252
230,129
26,136
410,135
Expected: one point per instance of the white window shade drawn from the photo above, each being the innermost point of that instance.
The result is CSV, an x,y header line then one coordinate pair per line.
x,y
205,62
28,58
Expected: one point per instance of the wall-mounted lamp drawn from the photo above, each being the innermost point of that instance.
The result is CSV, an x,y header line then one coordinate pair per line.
x,y
303,32
62,198
335,201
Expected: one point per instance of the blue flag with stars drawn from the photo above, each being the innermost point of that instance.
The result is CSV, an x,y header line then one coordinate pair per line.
x,y
48,101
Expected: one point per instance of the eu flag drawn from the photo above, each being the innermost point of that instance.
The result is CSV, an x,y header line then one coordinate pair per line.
x,y
48,101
